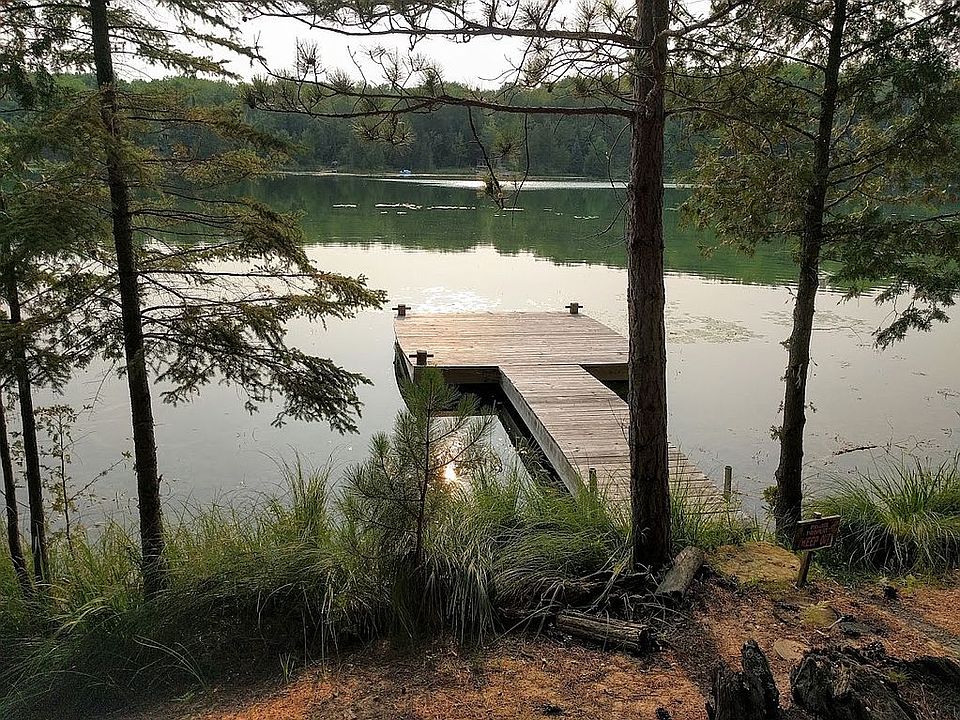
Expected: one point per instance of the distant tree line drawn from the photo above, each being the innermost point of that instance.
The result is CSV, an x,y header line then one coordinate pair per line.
x,y
441,139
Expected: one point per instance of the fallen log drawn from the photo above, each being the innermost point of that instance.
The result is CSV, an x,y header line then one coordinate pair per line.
x,y
680,576
524,619
580,592
606,632
586,590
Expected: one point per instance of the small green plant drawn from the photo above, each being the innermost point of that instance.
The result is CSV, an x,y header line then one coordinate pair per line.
x,y
902,518
56,456
67,495
770,497
288,665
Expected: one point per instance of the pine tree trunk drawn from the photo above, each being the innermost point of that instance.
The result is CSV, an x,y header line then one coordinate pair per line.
x,y
28,422
13,512
790,470
647,365
144,437
424,487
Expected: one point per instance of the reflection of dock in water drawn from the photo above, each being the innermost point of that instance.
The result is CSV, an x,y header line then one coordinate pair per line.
x,y
551,367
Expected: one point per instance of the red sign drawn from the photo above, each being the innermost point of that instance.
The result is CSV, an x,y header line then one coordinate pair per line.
x,y
816,534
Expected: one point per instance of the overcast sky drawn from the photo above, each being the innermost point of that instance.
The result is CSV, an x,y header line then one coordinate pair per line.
x,y
481,61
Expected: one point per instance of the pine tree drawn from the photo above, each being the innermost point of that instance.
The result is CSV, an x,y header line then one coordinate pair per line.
x,y
395,494
200,283
49,261
836,130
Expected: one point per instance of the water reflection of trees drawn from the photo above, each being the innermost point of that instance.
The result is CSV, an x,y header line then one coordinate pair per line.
x,y
568,225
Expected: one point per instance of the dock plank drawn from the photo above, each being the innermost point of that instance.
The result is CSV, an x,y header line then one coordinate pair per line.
x,y
459,340
587,426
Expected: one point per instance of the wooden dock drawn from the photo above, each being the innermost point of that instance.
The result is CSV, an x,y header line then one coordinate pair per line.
x,y
550,367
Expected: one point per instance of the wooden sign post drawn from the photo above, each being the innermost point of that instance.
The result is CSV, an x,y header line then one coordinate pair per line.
x,y
812,535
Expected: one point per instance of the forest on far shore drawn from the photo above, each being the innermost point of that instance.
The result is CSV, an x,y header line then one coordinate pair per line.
x,y
442,139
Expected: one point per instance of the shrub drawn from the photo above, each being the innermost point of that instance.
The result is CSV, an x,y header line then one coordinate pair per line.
x,y
901,518
245,584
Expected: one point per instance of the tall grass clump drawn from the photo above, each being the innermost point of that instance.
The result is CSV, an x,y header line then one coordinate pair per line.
x,y
541,538
901,518
697,520
247,583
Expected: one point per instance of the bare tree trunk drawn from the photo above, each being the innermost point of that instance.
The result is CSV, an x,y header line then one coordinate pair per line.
x,y
647,366
62,452
424,487
28,422
790,470
13,513
144,437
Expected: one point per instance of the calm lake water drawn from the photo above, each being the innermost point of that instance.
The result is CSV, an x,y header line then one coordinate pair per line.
x,y
437,245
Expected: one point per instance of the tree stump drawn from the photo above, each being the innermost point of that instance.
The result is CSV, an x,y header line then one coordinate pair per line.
x,y
747,694
943,669
842,685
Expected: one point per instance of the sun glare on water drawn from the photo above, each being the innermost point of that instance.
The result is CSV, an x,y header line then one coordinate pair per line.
x,y
450,474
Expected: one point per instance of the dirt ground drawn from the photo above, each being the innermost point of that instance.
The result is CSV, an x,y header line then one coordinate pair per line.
x,y
525,677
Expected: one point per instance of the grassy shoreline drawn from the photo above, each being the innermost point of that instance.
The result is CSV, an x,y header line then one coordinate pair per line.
x,y
282,581
290,578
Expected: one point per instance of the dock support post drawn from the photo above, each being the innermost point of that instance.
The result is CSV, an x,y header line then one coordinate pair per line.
x,y
727,483
401,310
592,473
421,356
574,308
